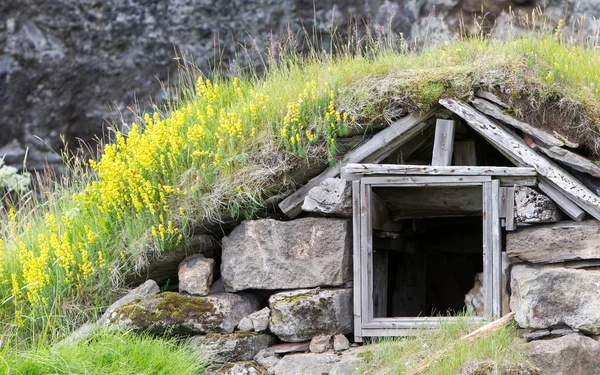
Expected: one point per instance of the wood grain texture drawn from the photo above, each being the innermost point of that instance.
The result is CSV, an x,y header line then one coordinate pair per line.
x,y
443,143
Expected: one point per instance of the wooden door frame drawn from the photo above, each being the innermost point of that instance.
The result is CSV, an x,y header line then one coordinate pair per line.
x,y
365,325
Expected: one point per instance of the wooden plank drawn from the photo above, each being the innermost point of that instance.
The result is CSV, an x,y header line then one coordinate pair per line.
x,y
522,181
366,254
503,202
356,260
571,159
356,171
491,97
411,147
374,150
416,181
380,283
509,204
496,251
494,111
443,142
465,153
381,220
488,247
518,151
378,332
561,200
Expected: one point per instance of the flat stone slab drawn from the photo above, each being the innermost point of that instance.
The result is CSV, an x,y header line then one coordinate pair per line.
x,y
563,241
179,314
302,314
289,347
237,368
303,253
544,297
233,347
567,355
346,363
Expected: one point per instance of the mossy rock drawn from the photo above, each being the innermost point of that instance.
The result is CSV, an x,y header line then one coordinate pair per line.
x,y
177,314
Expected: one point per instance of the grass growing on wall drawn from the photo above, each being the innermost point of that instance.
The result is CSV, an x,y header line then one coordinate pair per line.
x,y
223,145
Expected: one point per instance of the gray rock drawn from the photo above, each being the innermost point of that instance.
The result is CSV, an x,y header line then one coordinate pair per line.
x,y
267,360
196,275
340,343
546,296
289,347
303,253
534,208
567,355
564,241
260,319
217,287
175,313
539,334
331,197
238,368
320,344
163,266
233,347
146,289
344,363
246,324
302,314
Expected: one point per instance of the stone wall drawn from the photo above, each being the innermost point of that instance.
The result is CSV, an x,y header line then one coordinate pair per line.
x,y
66,67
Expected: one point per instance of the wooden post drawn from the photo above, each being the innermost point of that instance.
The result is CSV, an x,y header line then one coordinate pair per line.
x,y
488,251
380,283
356,260
496,251
509,208
442,145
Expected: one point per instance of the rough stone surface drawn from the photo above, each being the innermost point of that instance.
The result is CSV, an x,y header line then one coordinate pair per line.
x,y
289,347
491,367
267,360
546,297
534,208
233,347
320,344
186,315
196,275
567,355
302,314
346,363
260,319
539,334
340,343
246,324
331,197
146,289
238,368
163,266
564,241
303,253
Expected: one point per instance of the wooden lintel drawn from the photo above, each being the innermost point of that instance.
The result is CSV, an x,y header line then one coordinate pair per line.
x,y
377,148
494,111
443,142
516,149
356,171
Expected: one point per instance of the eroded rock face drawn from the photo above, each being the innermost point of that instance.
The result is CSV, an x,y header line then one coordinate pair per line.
x,y
571,354
564,241
271,254
346,363
233,347
534,208
302,314
179,314
331,197
547,297
237,368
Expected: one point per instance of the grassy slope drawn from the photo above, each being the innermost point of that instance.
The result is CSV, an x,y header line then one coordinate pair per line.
x,y
225,145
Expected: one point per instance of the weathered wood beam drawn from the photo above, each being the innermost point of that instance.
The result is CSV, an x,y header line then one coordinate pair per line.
x,y
356,261
509,208
443,142
494,111
516,149
571,159
374,150
465,153
356,171
570,208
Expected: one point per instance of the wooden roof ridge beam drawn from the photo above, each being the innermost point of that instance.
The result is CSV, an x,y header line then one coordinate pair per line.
x,y
373,150
356,171
496,112
516,150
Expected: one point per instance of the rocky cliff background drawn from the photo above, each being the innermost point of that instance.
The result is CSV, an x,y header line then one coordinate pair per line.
x,y
68,68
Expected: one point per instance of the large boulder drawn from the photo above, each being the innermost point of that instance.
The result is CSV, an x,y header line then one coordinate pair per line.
x,y
146,289
547,297
179,314
346,363
331,197
233,347
196,275
271,254
567,355
302,314
564,241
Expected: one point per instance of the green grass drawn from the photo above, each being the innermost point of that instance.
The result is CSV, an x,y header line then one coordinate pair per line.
x,y
501,349
65,252
108,352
